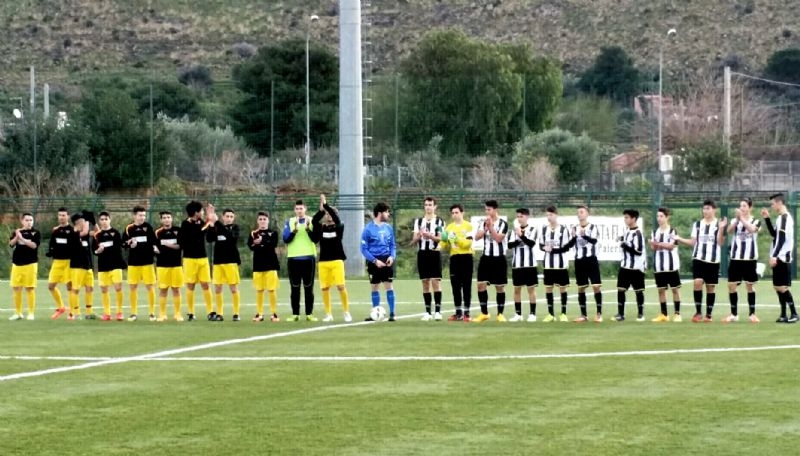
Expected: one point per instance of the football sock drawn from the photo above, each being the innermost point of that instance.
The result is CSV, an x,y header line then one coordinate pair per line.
x,y
734,298
376,298
782,301
89,300
345,299
437,301
273,301
598,300
31,301
751,302
176,304
18,301
563,303
698,301
621,302
105,298
260,302
326,301
677,305
390,300
75,309
426,297
639,303
162,305
219,302
549,297
582,303
518,307
207,299
711,298
151,300
483,299
56,294
236,299
501,301
119,298
790,302
533,307
134,297
664,308
190,301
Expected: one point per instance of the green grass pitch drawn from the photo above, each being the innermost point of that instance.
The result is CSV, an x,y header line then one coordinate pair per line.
x,y
403,388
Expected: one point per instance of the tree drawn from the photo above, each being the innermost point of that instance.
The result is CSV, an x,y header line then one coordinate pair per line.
x,y
575,157
543,88
595,116
784,65
284,66
613,75
172,99
119,140
463,89
707,160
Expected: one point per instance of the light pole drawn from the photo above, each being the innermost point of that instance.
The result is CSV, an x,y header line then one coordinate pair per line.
x,y
313,18
671,32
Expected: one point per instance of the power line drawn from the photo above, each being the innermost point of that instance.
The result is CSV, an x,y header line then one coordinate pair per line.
x,y
747,76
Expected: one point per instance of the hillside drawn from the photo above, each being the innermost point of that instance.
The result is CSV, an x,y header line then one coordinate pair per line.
x,y
67,39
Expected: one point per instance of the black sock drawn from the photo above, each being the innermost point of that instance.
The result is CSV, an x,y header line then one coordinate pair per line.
x,y
533,307
790,302
711,298
483,299
598,299
437,300
582,303
751,302
427,298
563,303
640,303
621,302
734,298
664,308
518,307
501,302
677,305
698,301
549,297
782,301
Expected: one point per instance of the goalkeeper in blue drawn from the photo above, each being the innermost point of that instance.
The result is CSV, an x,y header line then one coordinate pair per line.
x,y
379,250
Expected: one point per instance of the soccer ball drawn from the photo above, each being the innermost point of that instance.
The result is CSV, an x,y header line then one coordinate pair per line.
x,y
377,313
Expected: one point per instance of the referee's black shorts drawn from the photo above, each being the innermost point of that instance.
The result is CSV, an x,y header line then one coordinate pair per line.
x,y
379,275
493,270
429,264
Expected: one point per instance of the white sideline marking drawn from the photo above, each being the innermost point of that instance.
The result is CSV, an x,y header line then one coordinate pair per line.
x,y
678,351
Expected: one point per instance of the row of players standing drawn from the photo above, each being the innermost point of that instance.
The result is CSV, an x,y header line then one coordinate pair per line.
x,y
554,240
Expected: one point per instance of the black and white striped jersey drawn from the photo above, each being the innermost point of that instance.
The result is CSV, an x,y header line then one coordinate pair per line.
x,y
558,239
586,241
633,253
434,226
491,247
665,260
744,245
523,247
706,247
783,238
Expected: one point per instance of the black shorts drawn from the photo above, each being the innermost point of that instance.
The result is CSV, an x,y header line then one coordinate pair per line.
x,y
429,264
461,268
493,270
556,277
782,274
742,271
525,277
630,278
709,272
587,270
667,279
380,275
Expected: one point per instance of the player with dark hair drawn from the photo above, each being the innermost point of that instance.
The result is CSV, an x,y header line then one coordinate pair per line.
x,y
196,269
587,268
781,255
262,242
329,230
492,266
379,250
225,236
744,229
632,266
139,238
555,242
522,241
427,235
25,242
169,272
457,237
81,273
666,264
108,248
58,250
301,254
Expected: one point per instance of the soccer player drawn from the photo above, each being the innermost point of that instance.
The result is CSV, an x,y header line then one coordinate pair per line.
x,y
81,273
427,235
108,248
139,238
666,265
492,267
554,241
263,242
301,252
632,266
587,268
522,240
708,236
24,265
743,258
780,256
457,237
169,272
58,250
329,229
379,250
225,236
196,269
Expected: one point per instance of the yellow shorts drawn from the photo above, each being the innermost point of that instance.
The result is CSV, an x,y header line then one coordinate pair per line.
x,y
170,277
331,273
109,278
196,270
265,280
81,278
144,274
59,272
226,274
24,276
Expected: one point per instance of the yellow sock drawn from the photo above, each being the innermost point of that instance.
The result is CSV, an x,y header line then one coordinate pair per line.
x,y
74,307
235,297
345,300
176,304
218,297
190,301
162,306
260,302
326,301
18,301
31,300
89,300
207,299
105,297
273,302
134,296
151,301
119,300
56,294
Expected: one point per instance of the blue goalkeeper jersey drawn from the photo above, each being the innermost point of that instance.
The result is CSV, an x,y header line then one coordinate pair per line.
x,y
377,241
